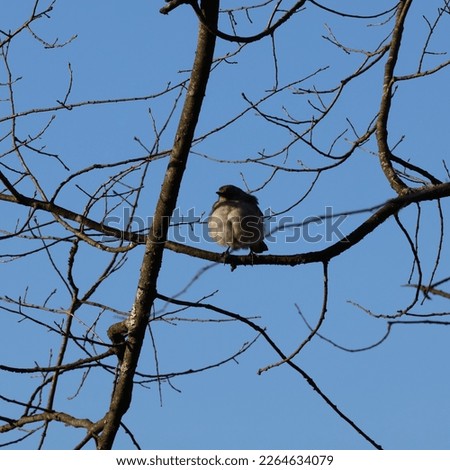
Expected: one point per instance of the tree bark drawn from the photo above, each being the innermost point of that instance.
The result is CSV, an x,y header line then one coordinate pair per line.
x,y
146,291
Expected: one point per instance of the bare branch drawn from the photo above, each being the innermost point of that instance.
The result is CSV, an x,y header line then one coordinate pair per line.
x,y
386,100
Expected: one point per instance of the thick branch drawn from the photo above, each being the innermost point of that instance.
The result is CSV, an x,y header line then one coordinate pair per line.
x,y
392,207
48,416
426,193
153,255
385,106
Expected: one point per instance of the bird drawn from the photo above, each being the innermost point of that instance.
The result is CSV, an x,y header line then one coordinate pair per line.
x,y
236,221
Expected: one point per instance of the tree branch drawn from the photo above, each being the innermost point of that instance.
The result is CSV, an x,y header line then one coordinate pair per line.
x,y
284,359
212,28
385,106
151,264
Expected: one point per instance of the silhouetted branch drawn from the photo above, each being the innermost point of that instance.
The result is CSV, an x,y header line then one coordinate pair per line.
x,y
285,359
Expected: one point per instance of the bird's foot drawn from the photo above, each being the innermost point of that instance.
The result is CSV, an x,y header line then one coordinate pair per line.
x,y
225,255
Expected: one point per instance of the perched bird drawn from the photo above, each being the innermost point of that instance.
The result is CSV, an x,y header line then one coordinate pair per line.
x,y
236,220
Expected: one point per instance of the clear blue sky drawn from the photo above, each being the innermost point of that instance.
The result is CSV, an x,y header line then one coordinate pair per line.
x,y
398,392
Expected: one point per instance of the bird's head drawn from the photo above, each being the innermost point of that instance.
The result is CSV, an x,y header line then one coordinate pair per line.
x,y
233,193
